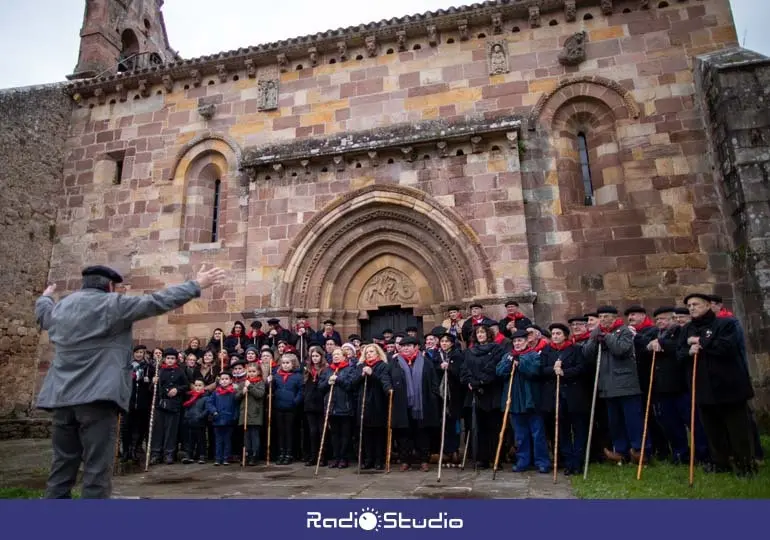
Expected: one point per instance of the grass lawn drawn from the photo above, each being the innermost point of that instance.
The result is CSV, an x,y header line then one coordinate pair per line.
x,y
666,481
20,493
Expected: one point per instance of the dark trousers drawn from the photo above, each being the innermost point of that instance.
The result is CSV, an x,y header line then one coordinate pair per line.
x,y
133,431
728,429
251,440
488,425
451,436
237,442
414,443
531,442
340,429
223,438
672,412
375,441
573,437
164,433
83,434
600,438
315,423
296,448
210,441
285,431
625,417
195,442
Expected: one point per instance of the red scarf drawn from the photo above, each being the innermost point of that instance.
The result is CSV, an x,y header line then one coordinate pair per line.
x,y
478,320
516,353
499,338
285,375
723,313
646,323
340,365
410,358
193,398
372,363
566,343
166,366
314,372
258,334
273,364
577,338
617,324
542,344
221,390
254,380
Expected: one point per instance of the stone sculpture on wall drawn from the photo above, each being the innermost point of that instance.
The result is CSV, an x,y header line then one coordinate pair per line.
x,y
267,95
497,56
388,286
574,51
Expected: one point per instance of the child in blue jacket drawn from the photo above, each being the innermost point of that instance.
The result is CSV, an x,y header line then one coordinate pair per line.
x,y
288,394
223,407
342,406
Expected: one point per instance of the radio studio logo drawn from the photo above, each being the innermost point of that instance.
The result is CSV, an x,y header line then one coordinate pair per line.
x,y
371,519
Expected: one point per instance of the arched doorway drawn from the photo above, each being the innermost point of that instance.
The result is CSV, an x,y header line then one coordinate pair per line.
x,y
380,249
129,47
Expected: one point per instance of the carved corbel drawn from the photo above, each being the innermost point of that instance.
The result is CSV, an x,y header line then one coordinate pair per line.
x,y
606,6
342,50
374,158
207,111
168,83
476,144
305,165
534,16
574,51
371,46
251,69
497,23
339,162
513,139
195,75
222,73
401,40
101,96
443,148
122,91
144,88
462,28
432,35
278,168
313,54
409,153
283,62
570,10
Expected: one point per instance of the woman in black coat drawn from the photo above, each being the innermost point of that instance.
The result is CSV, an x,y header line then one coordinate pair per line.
x,y
483,391
373,366
451,359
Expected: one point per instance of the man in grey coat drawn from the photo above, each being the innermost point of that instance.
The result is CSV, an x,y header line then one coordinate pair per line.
x,y
89,381
618,384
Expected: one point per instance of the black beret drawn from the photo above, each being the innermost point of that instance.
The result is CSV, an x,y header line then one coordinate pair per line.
x,y
437,331
520,334
578,319
399,334
256,324
409,340
716,298
662,310
591,314
329,321
476,305
536,327
449,336
635,309
301,316
387,331
511,303
239,362
227,372
681,311
353,337
563,327
273,321
453,308
702,296
103,271
170,352
411,329
140,348
607,309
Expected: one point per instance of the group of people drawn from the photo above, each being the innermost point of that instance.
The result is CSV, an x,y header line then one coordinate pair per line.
x,y
212,400
417,397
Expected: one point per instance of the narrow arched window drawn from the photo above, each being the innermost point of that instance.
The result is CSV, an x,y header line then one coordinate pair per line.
x,y
585,169
215,214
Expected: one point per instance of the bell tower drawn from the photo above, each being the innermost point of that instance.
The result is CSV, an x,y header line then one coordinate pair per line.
x,y
122,35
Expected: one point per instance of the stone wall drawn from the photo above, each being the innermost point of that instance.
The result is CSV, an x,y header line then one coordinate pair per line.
x,y
33,129
734,87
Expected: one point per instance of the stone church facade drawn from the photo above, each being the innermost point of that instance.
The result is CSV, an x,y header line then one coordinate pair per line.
x,y
563,153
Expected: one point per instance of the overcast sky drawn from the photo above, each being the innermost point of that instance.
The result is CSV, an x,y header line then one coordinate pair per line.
x,y
39,38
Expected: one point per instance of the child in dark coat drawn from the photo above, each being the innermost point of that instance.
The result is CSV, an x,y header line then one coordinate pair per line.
x,y
373,368
340,406
287,396
222,406
172,387
251,395
195,416
314,401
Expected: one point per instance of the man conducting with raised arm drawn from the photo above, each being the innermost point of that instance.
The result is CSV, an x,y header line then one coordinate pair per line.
x,y
89,381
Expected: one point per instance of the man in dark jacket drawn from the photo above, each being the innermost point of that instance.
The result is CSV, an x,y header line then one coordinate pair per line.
x,y
722,384
89,380
136,421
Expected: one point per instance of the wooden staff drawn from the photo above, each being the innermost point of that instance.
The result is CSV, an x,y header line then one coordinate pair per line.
x,y
556,433
505,421
593,409
245,424
269,419
361,427
443,424
692,420
116,463
390,431
326,424
221,348
467,440
646,418
152,416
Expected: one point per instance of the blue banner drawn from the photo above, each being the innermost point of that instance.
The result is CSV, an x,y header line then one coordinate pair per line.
x,y
403,519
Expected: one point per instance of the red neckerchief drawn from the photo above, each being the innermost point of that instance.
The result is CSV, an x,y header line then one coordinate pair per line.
x,y
542,344
193,398
273,364
252,334
410,358
617,324
340,365
254,380
516,353
478,320
166,366
314,372
499,338
566,343
723,313
372,363
289,348
646,323
577,338
284,374
221,391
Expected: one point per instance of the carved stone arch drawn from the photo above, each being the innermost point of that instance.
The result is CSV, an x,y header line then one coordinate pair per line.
x,y
395,220
207,141
620,100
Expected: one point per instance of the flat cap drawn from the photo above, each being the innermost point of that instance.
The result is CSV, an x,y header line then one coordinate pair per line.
x,y
663,309
103,271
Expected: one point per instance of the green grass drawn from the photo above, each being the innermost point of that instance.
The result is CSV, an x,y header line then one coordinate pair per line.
x,y
20,493
666,481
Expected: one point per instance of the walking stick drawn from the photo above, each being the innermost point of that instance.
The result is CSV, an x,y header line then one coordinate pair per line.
x,y
505,421
443,425
269,421
593,409
692,421
152,418
221,348
361,427
116,463
556,433
390,431
475,431
245,426
646,418
326,424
